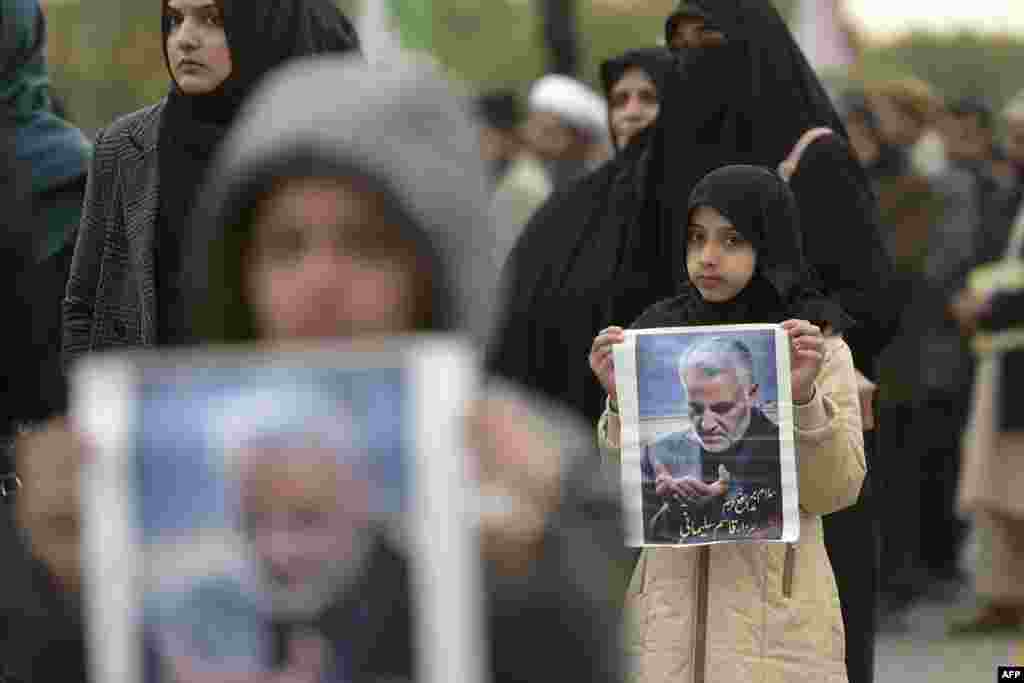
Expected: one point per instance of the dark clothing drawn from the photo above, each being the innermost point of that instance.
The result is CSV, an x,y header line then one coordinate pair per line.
x,y
41,635
830,193
24,397
116,239
656,62
53,158
852,539
561,36
559,279
185,148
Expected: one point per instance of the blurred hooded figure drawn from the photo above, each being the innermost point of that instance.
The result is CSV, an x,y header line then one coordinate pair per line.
x,y
56,156
149,164
313,229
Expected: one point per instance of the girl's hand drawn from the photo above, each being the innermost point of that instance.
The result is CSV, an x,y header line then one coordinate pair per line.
x,y
807,346
602,360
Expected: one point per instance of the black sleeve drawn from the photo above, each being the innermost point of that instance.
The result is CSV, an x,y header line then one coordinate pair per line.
x,y
843,242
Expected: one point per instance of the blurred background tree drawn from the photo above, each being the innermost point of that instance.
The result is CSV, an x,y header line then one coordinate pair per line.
x,y
106,57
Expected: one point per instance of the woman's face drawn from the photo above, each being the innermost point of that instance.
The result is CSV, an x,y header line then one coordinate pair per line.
x,y
325,264
719,259
633,104
197,46
693,32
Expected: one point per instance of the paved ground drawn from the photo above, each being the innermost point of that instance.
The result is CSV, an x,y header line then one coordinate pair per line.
x,y
926,655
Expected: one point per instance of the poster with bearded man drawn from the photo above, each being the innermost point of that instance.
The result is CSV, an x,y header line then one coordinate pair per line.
x,y
268,517
707,435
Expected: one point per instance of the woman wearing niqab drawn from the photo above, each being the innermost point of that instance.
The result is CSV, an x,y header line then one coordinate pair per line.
x,y
745,94
149,165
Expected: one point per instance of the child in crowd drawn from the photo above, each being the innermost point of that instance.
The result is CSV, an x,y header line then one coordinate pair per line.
x,y
767,612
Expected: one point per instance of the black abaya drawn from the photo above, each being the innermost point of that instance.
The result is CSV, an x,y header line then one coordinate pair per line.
x,y
604,251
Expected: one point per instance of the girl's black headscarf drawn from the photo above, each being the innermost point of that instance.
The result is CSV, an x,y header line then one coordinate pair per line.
x,y
762,208
262,35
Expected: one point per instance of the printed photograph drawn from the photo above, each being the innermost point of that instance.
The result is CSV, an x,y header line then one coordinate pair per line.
x,y
709,444
268,504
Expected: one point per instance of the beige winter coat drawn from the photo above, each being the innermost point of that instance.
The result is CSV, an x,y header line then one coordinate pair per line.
x,y
757,612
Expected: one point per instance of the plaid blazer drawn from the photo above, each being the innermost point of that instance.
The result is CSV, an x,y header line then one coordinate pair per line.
x,y
110,300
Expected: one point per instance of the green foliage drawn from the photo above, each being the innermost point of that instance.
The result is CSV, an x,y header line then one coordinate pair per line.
x,y
107,61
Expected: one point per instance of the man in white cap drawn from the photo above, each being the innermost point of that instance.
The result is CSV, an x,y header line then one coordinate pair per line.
x,y
567,128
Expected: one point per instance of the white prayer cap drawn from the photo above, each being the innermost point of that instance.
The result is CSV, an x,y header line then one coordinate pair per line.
x,y
579,105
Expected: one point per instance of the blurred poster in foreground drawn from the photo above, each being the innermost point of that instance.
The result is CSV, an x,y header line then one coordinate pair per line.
x,y
298,516
707,436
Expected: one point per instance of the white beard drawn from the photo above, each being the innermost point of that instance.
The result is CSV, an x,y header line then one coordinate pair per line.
x,y
306,602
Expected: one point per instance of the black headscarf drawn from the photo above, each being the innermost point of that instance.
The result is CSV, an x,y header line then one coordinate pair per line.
x,y
762,208
262,34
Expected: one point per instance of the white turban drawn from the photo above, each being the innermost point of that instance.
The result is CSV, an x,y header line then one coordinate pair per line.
x,y
576,103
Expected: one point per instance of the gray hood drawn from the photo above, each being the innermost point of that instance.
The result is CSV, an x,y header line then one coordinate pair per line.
x,y
401,126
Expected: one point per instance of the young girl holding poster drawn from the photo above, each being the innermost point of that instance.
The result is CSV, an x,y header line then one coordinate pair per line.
x,y
751,611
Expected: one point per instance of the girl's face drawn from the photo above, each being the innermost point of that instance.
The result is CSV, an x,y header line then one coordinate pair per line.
x,y
719,259
197,46
324,264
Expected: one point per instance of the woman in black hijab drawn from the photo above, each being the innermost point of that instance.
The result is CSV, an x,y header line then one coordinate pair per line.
x,y
571,254
650,66
149,164
762,209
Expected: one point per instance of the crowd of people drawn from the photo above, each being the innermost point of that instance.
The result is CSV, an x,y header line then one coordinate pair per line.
x,y
287,189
